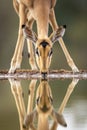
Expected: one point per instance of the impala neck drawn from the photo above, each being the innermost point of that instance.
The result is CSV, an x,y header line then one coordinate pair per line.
x,y
42,26
41,13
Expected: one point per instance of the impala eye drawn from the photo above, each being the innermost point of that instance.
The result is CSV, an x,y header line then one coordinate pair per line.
x,y
51,52
37,51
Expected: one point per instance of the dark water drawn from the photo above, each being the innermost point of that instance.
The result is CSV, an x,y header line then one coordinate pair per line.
x,y
75,111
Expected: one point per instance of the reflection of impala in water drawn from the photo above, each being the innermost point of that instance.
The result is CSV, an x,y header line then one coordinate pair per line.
x,y
44,108
44,105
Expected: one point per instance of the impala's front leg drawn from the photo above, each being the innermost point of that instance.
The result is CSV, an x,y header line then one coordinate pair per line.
x,y
31,55
68,57
61,42
17,57
30,49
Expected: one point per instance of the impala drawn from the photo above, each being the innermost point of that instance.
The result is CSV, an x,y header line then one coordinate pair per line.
x,y
44,108
41,11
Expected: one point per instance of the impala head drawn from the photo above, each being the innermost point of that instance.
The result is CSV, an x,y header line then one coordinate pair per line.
x,y
43,47
44,99
44,52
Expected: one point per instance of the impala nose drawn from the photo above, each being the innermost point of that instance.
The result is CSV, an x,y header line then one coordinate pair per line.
x,y
44,75
45,108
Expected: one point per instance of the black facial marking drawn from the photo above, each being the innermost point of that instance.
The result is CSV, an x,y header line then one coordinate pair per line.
x,y
45,108
44,44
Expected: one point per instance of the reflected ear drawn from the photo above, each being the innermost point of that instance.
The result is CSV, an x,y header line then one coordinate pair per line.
x,y
57,34
29,119
59,118
28,33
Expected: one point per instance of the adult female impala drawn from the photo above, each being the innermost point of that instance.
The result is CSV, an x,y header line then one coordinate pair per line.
x,y
42,11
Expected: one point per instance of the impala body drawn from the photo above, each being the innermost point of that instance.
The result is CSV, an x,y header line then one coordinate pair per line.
x,y
41,11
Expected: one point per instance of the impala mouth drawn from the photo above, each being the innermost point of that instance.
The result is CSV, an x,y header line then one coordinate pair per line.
x,y
44,75
45,109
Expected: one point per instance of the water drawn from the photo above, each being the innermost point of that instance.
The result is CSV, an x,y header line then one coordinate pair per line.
x,y
75,111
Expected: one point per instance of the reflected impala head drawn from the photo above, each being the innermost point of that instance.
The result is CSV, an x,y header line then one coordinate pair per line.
x,y
43,47
44,99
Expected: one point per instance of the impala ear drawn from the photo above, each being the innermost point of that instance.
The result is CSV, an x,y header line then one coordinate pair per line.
x,y
59,118
28,33
28,120
57,34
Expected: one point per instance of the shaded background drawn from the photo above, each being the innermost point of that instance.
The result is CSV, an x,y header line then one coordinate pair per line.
x,y
74,15
69,12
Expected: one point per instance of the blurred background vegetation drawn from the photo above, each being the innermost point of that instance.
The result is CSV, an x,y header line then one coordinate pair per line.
x,y
69,12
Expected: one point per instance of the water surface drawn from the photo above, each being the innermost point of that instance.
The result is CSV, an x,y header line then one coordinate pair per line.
x,y
75,111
